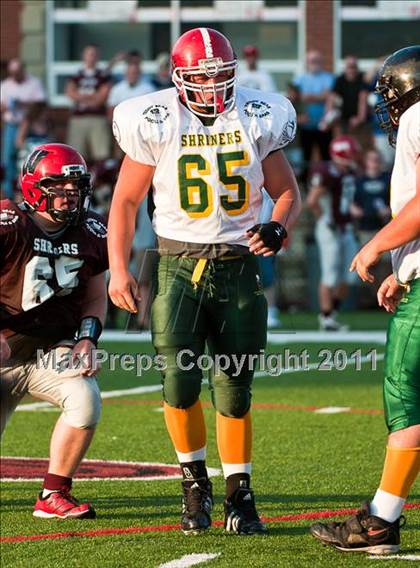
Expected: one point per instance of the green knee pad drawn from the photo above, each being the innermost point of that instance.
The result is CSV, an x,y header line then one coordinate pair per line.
x,y
231,396
402,363
181,386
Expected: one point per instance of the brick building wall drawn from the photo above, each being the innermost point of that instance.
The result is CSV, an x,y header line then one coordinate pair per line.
x,y
320,29
10,30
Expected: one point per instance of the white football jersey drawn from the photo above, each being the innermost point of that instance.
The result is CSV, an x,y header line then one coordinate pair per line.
x,y
406,259
208,179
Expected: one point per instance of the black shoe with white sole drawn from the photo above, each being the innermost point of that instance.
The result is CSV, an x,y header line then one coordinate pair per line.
x,y
241,516
197,504
362,532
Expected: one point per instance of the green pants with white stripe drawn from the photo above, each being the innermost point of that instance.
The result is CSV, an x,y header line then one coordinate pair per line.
x,y
226,311
402,363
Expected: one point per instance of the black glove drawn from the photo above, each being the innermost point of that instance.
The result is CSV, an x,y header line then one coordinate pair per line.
x,y
272,234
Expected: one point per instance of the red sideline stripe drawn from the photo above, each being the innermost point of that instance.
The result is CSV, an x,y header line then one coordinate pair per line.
x,y
166,528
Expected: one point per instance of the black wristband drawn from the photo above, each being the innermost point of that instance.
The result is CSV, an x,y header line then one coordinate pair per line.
x,y
272,234
90,328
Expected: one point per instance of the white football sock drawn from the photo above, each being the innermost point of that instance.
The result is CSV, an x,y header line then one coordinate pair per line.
x,y
47,492
192,456
231,468
386,506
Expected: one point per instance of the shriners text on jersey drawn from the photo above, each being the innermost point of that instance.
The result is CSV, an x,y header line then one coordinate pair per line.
x,y
208,179
43,276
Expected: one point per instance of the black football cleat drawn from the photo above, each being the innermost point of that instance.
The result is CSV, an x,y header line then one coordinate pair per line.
x,y
241,516
362,532
197,504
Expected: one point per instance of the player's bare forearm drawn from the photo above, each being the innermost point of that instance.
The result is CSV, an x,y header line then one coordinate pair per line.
x,y
281,185
121,226
95,301
287,208
405,227
132,186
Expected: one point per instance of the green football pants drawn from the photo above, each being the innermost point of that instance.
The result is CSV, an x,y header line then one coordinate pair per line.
x,y
402,363
227,311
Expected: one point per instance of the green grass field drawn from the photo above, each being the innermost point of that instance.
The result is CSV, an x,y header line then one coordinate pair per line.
x,y
304,462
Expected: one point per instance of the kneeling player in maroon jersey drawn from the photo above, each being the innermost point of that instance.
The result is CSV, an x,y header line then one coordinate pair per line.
x,y
52,308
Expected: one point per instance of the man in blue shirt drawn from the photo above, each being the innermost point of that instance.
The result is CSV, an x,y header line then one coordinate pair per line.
x,y
314,86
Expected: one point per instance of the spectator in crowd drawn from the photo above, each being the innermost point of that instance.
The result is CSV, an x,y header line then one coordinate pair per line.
x,y
162,79
144,256
332,188
133,56
370,207
18,91
88,129
371,212
268,268
133,85
35,129
349,94
294,151
315,86
255,78
251,76
103,178
380,137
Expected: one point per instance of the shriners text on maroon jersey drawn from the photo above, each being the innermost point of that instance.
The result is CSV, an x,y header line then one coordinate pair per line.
x,y
43,276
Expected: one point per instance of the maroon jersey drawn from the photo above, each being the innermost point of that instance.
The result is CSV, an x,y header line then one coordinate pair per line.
x,y
44,276
88,82
340,188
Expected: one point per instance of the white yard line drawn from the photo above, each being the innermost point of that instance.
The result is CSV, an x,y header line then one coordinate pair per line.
x,y
332,410
190,560
279,337
104,394
47,407
396,557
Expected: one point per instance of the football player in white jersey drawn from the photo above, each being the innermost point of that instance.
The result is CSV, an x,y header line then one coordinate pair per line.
x,y
376,526
207,148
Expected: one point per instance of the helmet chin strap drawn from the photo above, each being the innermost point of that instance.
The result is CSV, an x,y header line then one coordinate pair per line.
x,y
62,214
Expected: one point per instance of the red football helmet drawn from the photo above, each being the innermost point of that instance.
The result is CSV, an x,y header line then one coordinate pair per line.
x,y
203,51
345,150
49,163
250,51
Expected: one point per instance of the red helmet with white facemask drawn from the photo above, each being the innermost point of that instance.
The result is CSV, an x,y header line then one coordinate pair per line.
x,y
49,165
208,53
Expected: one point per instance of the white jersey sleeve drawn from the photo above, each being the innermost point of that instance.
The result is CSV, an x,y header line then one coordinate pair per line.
x,y
141,125
271,119
406,259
